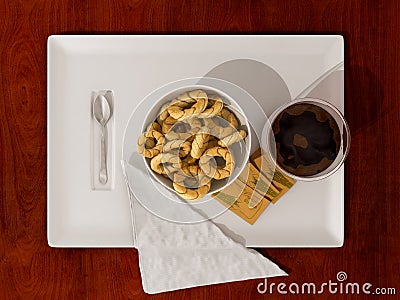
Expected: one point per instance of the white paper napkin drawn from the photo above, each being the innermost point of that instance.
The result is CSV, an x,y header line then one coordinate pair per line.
x,y
174,256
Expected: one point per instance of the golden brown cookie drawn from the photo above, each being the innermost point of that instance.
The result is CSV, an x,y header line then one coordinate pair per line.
x,y
170,169
216,129
225,131
217,172
180,113
141,144
189,160
195,124
214,108
183,100
229,116
156,164
182,130
150,143
172,135
171,158
163,114
183,146
166,163
199,144
233,138
191,193
212,142
212,125
154,126
167,124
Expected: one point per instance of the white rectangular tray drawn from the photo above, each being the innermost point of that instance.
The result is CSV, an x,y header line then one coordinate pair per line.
x,y
309,215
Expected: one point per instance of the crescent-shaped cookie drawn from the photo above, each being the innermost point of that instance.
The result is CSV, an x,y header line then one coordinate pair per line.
x,y
229,116
191,193
142,143
163,114
156,164
167,124
218,172
154,126
180,113
215,105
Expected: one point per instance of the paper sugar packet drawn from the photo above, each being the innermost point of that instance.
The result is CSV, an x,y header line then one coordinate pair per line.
x,y
259,183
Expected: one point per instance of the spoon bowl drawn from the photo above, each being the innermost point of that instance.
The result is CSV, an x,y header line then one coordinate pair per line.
x,y
101,110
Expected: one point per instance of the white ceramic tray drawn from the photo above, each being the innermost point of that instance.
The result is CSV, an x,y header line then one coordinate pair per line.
x,y
274,69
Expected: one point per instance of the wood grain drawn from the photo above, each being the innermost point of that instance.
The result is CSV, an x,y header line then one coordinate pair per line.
x,y
30,269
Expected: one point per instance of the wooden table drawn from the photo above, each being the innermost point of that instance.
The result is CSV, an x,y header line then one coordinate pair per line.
x,y
30,269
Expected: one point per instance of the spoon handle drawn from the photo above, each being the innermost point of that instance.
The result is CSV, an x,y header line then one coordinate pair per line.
x,y
103,156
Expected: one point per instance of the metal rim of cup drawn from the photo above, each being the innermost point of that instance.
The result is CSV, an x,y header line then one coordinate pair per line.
x,y
344,148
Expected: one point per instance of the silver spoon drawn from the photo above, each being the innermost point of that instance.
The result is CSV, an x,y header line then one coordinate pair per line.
x,y
102,114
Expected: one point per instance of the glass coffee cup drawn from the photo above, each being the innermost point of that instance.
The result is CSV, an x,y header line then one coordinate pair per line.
x,y
308,138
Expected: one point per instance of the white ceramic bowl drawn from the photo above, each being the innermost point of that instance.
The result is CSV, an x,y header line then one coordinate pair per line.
x,y
240,151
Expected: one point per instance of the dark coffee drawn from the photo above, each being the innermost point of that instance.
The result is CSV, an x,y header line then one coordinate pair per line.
x,y
307,139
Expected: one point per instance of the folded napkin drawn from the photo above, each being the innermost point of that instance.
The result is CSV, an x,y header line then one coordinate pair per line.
x,y
174,256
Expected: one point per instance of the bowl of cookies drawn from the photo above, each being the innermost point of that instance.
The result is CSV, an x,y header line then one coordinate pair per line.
x,y
195,141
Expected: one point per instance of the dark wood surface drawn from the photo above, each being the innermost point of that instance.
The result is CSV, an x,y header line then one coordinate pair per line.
x,y
30,269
